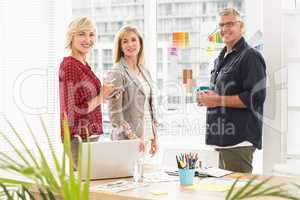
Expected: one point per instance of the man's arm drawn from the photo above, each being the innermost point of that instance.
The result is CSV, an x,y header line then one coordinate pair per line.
x,y
253,76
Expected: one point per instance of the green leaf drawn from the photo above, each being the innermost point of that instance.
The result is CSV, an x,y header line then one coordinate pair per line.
x,y
46,170
258,190
14,148
22,142
231,189
6,192
86,187
50,145
79,168
43,194
248,187
29,193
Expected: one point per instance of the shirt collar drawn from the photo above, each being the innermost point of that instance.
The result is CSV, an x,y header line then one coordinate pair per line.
x,y
237,47
86,65
124,63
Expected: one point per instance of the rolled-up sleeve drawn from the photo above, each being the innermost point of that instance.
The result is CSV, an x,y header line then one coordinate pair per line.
x,y
83,95
253,78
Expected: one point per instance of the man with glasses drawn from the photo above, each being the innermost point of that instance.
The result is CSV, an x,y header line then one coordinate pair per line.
x,y
236,96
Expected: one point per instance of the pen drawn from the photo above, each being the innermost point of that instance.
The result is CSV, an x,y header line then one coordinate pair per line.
x,y
186,160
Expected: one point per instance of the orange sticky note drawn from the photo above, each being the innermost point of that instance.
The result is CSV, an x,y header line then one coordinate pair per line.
x,y
180,39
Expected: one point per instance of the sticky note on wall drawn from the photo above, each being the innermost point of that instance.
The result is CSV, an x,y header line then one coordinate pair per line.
x,y
173,51
187,74
215,37
180,39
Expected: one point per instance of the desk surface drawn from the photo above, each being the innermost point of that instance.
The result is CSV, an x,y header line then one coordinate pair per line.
x,y
173,189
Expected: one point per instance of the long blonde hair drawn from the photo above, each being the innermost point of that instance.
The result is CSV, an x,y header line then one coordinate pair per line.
x,y
118,53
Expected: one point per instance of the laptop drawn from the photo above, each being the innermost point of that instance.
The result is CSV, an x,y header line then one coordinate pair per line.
x,y
110,159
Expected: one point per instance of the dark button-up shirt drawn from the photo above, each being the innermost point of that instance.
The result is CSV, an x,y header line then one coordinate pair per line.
x,y
242,72
77,86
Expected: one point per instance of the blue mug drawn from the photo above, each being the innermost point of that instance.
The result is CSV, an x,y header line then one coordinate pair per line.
x,y
202,88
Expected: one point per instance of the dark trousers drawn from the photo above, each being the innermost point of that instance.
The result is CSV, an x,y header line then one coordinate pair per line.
x,y
238,159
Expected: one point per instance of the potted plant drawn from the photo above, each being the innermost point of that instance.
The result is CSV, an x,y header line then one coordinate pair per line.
x,y
40,180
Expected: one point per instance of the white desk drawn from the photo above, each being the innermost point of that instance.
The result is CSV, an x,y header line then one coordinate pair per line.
x,y
173,189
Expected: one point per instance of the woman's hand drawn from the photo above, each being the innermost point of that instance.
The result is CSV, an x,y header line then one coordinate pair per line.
x,y
106,90
131,135
142,145
154,147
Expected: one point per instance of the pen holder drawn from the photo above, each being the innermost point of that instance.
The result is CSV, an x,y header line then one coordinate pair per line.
x,y
186,176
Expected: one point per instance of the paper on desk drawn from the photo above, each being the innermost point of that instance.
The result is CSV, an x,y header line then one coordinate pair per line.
x,y
117,186
219,184
156,177
214,172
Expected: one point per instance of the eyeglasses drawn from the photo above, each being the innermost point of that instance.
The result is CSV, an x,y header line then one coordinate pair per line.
x,y
227,24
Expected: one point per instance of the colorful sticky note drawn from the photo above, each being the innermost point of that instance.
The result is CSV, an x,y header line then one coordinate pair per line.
x,y
215,37
180,39
158,192
187,74
173,51
214,187
210,50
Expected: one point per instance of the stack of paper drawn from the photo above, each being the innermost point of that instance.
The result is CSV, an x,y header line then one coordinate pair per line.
x,y
117,186
156,177
213,171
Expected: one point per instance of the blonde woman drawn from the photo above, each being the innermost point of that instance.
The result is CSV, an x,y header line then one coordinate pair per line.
x,y
132,112
81,92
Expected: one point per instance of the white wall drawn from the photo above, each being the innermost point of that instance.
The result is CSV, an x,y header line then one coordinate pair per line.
x,y
273,126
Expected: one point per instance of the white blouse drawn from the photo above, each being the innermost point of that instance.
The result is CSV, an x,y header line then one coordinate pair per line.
x,y
148,129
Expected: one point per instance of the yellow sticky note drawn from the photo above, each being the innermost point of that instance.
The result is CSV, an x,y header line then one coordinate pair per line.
x,y
238,175
158,192
214,187
190,187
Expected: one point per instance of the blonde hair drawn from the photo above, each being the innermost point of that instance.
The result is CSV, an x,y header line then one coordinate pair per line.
x,y
118,53
230,11
78,24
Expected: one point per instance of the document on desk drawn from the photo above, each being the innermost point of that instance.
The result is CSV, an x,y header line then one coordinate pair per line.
x,y
117,186
219,184
156,177
213,172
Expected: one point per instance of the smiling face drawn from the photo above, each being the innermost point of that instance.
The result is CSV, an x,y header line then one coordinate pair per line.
x,y
130,45
83,41
231,29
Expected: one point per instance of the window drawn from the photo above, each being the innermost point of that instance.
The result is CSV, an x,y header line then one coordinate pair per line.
x,y
34,47
107,55
165,10
197,19
204,7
